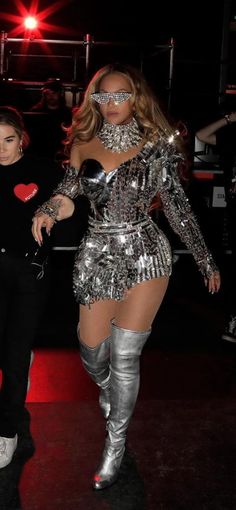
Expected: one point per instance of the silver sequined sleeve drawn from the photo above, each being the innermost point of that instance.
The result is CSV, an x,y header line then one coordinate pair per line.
x,y
69,185
178,211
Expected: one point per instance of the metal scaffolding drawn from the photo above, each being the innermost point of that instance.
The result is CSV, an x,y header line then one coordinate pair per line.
x,y
88,45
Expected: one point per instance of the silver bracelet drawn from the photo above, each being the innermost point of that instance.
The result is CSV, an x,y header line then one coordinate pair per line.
x,y
228,119
51,208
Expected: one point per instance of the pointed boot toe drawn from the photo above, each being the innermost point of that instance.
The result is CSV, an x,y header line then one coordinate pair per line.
x,y
108,471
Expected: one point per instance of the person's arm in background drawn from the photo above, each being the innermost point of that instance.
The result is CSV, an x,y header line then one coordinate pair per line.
x,y
208,133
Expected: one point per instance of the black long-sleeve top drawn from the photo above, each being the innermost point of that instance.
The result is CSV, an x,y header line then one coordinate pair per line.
x,y
24,185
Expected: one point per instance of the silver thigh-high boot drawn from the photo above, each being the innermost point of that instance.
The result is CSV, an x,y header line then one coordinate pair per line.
x,y
96,361
126,347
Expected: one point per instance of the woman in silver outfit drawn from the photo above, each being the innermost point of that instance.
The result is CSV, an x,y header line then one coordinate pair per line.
x,y
123,153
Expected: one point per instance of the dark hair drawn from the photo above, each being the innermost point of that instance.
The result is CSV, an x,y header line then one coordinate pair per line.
x,y
12,117
53,84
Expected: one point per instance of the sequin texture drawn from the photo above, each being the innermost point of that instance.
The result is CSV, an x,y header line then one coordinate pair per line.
x,y
123,245
121,137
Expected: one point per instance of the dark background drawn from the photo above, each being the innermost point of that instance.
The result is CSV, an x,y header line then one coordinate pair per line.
x,y
138,35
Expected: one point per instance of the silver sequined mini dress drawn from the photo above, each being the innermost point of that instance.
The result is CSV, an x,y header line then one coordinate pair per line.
x,y
123,245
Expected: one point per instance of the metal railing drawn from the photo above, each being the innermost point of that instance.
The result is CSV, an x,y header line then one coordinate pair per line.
x,y
87,44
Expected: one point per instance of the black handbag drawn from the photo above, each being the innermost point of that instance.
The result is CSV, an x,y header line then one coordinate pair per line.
x,y
39,258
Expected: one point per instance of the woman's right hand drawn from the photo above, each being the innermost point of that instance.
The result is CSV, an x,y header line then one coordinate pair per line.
x,y
42,220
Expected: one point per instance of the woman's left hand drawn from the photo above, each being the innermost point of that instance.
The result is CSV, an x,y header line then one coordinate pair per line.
x,y
213,282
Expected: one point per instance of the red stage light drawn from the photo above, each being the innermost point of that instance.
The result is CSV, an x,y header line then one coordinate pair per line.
x,y
30,19
30,23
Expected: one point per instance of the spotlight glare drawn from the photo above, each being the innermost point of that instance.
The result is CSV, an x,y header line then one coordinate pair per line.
x,y
30,23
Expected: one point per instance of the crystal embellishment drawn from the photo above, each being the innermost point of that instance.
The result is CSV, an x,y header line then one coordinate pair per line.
x,y
121,137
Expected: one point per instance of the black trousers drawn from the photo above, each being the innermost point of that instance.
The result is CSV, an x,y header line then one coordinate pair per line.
x,y
231,215
22,299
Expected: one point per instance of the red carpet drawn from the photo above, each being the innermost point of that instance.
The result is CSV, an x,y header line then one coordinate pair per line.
x,y
58,375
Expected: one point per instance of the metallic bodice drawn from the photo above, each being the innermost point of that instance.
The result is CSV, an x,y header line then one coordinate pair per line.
x,y
124,194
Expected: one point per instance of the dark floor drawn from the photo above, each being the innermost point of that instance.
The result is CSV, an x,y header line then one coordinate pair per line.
x,y
182,439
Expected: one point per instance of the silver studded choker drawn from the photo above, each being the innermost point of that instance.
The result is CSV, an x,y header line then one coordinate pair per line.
x,y
120,138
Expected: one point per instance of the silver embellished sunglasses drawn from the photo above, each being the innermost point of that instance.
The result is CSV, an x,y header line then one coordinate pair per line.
x,y
116,97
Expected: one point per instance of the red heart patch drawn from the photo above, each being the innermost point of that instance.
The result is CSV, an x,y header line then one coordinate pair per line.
x,y
26,191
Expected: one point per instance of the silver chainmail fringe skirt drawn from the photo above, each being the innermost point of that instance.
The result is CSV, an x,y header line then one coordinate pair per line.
x,y
115,257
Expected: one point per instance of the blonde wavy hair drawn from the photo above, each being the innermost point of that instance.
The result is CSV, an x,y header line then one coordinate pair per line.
x,y
87,119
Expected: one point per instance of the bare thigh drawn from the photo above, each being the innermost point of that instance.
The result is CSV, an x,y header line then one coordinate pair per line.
x,y
136,312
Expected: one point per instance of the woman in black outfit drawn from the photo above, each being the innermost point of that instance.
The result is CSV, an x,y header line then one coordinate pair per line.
x,y
25,181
